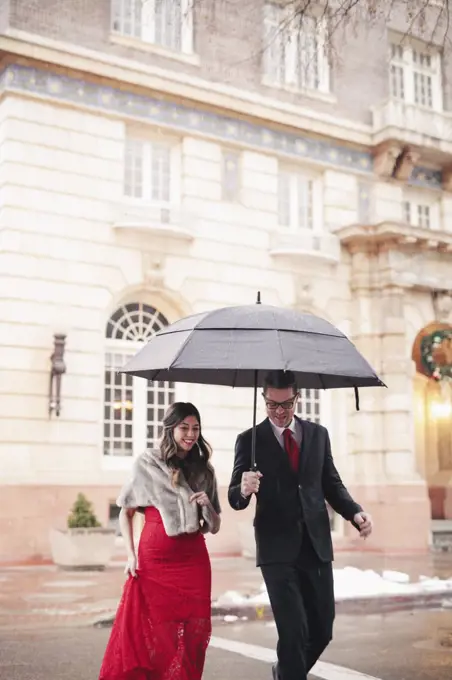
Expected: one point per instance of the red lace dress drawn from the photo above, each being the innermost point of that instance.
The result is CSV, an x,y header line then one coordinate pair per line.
x,y
163,623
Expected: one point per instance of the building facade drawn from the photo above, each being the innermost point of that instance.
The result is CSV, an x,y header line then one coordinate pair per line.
x,y
163,158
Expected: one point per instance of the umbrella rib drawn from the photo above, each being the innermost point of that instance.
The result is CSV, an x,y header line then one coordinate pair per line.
x,y
281,349
181,348
247,330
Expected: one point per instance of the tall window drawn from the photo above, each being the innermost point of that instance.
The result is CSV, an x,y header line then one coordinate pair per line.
x,y
166,23
415,76
309,405
147,170
294,49
299,200
133,407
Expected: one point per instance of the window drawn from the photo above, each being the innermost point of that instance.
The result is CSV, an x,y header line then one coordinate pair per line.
x,y
415,76
299,206
113,518
166,23
309,405
294,49
133,407
421,211
147,170
230,175
416,214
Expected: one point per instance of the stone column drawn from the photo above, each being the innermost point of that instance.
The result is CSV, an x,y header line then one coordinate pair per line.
x,y
386,481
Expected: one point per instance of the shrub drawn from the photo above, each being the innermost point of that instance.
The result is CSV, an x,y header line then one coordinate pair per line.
x,y
82,515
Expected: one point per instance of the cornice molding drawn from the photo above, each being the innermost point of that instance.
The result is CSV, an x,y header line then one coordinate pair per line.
x,y
177,84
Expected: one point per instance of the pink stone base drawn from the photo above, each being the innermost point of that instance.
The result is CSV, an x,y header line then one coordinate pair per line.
x,y
27,514
401,515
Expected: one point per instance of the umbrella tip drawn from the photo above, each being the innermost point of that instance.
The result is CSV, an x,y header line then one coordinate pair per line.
x,y
258,301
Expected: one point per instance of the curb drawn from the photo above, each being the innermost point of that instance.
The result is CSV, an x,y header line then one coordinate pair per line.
x,y
362,605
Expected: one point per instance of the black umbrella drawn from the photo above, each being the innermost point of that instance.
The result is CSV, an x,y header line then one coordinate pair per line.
x,y
237,346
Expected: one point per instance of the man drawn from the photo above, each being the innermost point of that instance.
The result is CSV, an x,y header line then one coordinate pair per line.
x,y
296,475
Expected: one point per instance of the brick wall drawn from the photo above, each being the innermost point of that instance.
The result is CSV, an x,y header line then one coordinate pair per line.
x,y
228,40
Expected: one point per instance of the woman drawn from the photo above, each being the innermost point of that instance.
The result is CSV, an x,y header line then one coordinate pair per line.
x,y
163,623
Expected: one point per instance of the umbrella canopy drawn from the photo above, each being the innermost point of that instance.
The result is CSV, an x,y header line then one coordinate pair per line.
x,y
237,346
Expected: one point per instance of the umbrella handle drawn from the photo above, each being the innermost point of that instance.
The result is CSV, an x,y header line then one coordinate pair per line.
x,y
253,434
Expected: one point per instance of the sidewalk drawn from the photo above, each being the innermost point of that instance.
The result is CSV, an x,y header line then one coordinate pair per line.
x,y
45,596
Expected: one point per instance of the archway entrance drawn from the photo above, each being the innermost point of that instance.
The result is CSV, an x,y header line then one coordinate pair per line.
x,y
432,354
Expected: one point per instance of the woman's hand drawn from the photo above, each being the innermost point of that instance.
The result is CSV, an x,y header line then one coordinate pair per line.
x,y
201,498
213,520
131,567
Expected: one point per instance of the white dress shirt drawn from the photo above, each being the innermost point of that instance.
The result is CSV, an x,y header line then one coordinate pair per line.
x,y
295,428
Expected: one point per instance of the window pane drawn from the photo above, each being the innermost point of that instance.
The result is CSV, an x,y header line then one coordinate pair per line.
x,y
305,190
309,405
397,52
418,214
168,21
117,435
422,79
407,211
126,17
159,396
397,84
160,172
424,216
133,168
295,200
307,42
274,42
158,22
135,322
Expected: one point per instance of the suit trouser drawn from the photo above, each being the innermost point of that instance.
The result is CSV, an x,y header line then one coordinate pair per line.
x,y
302,599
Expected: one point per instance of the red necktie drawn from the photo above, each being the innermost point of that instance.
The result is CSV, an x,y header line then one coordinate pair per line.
x,y
291,448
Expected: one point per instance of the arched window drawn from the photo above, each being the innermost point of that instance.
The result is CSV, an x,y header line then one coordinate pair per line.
x,y
133,407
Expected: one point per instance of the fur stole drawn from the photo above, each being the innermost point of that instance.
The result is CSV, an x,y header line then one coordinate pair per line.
x,y
151,485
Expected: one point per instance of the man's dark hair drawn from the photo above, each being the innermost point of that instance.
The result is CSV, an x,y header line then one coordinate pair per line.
x,y
280,380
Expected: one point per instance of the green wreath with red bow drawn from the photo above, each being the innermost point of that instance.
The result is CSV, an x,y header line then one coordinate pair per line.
x,y
436,354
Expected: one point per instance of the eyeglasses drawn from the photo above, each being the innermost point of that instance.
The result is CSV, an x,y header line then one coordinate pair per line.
x,y
286,405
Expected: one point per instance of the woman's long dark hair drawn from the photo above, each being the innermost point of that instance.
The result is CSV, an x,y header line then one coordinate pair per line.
x,y
195,466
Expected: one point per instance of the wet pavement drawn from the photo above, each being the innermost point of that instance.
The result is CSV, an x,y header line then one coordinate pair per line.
x,y
399,646
47,632
402,646
44,595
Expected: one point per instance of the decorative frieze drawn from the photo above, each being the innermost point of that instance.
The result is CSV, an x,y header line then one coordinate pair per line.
x,y
188,119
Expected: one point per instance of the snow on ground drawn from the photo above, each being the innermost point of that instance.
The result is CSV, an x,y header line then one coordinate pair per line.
x,y
350,583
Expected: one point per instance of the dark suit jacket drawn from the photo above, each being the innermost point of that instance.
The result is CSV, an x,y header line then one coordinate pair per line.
x,y
288,504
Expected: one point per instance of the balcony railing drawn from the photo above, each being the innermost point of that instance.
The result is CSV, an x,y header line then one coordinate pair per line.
x,y
412,124
152,218
305,243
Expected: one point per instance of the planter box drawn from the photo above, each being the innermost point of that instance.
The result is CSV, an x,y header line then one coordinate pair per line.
x,y
82,548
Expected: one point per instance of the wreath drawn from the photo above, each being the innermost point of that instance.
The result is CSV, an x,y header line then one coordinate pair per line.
x,y
436,354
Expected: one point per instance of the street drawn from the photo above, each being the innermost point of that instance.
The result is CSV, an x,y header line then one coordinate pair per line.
x,y
398,646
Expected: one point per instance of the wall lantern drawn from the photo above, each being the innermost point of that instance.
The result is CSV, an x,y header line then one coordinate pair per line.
x,y
57,368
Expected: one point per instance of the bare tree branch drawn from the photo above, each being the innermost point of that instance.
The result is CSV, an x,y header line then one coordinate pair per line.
x,y
426,19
